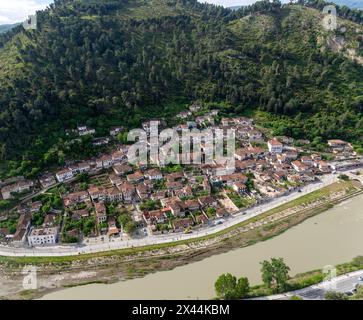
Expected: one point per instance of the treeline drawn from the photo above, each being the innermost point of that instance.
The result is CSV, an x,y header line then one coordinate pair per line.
x,y
264,6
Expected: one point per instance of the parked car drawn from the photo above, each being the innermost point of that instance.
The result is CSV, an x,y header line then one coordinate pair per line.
x,y
219,221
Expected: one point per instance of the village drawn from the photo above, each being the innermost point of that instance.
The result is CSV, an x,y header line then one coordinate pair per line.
x,y
108,198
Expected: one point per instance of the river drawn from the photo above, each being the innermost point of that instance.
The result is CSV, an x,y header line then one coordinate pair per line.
x,y
332,237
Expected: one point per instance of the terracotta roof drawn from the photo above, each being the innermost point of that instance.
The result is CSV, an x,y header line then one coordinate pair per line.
x,y
275,142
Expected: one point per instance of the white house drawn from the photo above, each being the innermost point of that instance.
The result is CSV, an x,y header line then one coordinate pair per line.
x,y
184,114
337,143
299,166
116,130
43,236
118,156
64,175
101,141
274,146
154,174
100,212
84,167
84,130
107,161
307,160
194,107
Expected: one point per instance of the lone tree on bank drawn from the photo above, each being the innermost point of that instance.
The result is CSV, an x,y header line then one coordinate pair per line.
x,y
275,274
228,287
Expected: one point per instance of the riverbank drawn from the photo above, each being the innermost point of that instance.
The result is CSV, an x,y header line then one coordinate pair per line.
x,y
314,284
55,273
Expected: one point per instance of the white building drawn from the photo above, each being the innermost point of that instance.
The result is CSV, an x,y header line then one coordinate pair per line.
x,y
107,161
116,130
154,174
43,236
274,146
84,167
64,175
184,114
84,130
337,143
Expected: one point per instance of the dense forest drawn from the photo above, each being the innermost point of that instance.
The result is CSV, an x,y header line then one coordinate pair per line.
x,y
118,62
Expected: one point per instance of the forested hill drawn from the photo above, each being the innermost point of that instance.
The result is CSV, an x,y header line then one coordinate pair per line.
x,y
111,62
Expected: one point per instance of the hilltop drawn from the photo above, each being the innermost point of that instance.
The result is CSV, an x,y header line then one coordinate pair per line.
x,y
7,27
354,4
119,62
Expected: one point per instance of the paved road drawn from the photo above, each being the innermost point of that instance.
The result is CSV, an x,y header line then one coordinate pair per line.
x,y
152,240
344,283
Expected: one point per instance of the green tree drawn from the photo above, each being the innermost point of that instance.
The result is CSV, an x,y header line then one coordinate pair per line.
x,y
38,218
359,294
333,295
275,274
210,212
88,226
225,286
358,261
123,219
130,227
122,138
343,177
228,287
243,287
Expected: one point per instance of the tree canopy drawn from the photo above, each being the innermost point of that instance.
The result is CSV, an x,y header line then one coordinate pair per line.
x,y
275,274
228,287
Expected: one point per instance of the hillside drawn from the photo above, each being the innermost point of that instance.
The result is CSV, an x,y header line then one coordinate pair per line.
x,y
7,27
354,4
118,62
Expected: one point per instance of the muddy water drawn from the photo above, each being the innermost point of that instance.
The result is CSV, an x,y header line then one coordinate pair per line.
x,y
330,238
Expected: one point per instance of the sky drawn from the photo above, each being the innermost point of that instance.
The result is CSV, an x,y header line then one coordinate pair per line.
x,y
12,11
